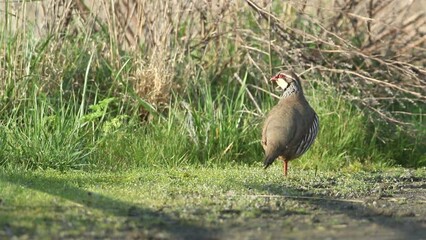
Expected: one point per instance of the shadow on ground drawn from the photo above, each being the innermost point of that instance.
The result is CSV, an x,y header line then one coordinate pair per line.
x,y
401,215
281,212
149,223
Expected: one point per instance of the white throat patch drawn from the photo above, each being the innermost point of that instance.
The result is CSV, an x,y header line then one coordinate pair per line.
x,y
282,83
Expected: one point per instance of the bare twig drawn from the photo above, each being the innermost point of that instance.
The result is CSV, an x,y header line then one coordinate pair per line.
x,y
307,198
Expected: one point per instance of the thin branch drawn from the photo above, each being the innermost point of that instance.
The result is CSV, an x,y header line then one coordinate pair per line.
x,y
380,82
306,198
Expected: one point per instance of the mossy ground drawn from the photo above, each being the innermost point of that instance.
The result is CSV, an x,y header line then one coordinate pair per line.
x,y
213,203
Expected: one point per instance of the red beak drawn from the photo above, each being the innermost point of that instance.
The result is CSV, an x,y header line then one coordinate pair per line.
x,y
274,78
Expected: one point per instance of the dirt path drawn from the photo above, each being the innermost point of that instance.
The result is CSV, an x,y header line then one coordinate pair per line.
x,y
377,215
398,216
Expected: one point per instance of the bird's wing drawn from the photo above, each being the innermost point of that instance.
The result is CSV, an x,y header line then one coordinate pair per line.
x,y
278,132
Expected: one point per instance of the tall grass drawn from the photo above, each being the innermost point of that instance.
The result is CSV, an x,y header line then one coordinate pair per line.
x,y
202,127
77,100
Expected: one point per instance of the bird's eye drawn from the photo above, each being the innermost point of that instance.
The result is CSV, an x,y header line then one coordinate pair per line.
x,y
281,76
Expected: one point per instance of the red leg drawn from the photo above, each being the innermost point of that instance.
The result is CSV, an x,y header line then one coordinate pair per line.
x,y
285,167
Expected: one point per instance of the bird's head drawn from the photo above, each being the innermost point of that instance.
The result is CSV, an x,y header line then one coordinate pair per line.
x,y
285,80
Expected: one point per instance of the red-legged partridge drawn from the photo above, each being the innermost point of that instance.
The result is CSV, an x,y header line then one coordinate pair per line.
x,y
291,126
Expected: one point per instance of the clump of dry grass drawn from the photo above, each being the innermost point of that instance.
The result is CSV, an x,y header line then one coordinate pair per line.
x,y
152,83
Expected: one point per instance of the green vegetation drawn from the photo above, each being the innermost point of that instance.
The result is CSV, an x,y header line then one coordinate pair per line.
x,y
219,126
69,102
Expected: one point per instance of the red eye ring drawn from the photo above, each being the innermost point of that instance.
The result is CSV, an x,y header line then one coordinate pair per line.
x,y
279,75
